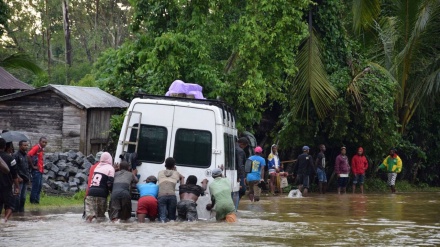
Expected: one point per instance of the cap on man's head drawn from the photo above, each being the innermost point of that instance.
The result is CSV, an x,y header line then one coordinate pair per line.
x,y
98,156
216,172
258,150
306,148
343,147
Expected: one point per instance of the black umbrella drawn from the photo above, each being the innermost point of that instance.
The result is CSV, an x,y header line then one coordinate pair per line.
x,y
14,136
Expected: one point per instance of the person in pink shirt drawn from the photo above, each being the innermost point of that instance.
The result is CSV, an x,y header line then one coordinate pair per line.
x,y
342,169
99,188
359,164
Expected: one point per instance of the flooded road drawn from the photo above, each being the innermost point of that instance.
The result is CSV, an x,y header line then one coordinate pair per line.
x,y
405,219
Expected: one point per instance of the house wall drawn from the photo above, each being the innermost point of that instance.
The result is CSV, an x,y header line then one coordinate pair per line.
x,y
35,116
71,132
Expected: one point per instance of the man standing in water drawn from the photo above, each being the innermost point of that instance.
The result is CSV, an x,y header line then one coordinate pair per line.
x,y
256,176
303,170
342,169
189,194
6,182
359,164
393,165
36,155
220,190
320,169
23,164
274,168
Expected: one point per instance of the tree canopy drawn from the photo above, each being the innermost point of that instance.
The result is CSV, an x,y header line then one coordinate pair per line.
x,y
298,72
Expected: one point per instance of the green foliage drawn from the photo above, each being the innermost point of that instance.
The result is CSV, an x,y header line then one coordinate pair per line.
x,y
312,82
4,16
87,81
365,12
116,122
20,61
223,46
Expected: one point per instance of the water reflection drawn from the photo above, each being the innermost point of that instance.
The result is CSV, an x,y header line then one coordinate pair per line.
x,y
335,220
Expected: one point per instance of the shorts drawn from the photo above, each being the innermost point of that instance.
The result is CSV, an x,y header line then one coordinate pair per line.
x,y
187,210
120,206
322,177
254,189
392,179
342,182
147,205
7,198
96,206
231,218
272,171
359,179
303,180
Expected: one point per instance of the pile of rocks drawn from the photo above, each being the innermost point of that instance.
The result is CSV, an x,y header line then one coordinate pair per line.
x,y
66,172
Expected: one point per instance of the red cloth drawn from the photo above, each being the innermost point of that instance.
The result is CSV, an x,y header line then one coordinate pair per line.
x,y
89,179
359,163
38,150
147,205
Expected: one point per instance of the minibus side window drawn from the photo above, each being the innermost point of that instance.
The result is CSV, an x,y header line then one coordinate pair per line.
x,y
193,148
152,143
229,151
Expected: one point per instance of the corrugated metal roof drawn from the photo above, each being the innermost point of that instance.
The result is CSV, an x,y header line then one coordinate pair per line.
x,y
91,97
9,82
82,97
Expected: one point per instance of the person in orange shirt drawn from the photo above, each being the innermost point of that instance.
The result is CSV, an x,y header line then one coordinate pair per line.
x,y
359,164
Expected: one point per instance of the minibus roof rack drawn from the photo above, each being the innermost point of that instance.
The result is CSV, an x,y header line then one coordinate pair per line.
x,y
220,104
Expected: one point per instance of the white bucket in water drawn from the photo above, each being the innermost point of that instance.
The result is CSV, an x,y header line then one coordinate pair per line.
x,y
294,194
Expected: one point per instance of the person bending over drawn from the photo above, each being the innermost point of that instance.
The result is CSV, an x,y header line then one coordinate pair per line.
x,y
189,193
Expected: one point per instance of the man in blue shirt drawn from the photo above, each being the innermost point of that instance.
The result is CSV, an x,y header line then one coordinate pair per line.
x,y
256,175
147,203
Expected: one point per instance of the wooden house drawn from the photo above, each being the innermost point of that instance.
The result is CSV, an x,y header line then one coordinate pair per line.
x,y
70,117
9,84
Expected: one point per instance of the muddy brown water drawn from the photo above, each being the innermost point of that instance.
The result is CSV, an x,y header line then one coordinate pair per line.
x,y
406,219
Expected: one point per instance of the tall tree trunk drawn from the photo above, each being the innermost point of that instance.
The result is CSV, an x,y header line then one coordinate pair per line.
x,y
96,23
48,36
66,25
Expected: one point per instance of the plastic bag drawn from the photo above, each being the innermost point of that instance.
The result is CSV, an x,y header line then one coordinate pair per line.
x,y
284,183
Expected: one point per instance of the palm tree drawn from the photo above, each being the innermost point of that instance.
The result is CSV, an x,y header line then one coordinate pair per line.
x,y
407,33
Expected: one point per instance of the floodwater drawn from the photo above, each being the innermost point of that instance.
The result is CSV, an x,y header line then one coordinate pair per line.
x,y
404,219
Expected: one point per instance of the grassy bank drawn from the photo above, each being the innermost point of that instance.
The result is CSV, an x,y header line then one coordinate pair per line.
x,y
54,201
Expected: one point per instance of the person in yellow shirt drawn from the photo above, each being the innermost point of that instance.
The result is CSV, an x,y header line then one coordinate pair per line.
x,y
392,165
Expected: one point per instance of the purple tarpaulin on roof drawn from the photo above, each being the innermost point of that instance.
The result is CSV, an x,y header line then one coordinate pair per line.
x,y
180,87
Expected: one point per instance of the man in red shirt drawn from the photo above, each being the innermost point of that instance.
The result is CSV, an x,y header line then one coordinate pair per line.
x,y
36,157
359,165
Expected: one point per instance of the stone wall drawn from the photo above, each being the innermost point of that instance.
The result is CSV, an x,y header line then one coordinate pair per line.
x,y
66,172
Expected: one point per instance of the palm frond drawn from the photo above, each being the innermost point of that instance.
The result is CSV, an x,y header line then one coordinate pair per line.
x,y
311,82
427,14
429,81
365,12
387,34
21,61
